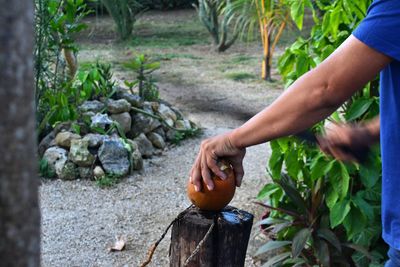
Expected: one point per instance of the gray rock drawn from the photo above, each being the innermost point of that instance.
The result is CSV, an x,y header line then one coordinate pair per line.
x,y
148,107
85,172
155,106
87,116
178,113
98,172
124,120
118,106
64,139
114,157
171,134
169,121
69,171
145,146
46,143
134,100
183,124
136,160
62,126
92,106
166,113
94,140
160,131
156,140
143,124
79,153
101,120
56,158
132,144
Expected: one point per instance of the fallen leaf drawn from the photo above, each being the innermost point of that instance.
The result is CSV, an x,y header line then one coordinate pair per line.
x,y
119,244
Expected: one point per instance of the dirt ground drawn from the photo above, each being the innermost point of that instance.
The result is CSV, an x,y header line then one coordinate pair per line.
x,y
80,220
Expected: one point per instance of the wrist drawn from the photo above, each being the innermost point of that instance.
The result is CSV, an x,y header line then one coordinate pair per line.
x,y
235,140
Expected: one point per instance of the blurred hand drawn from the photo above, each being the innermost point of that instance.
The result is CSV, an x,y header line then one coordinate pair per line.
x,y
211,151
340,139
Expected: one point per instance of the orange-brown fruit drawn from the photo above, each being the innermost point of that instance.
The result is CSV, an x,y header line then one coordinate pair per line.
x,y
220,196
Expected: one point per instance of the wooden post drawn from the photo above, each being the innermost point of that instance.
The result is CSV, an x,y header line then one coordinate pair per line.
x,y
210,239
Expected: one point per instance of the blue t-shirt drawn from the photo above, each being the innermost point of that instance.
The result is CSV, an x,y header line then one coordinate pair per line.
x,y
380,30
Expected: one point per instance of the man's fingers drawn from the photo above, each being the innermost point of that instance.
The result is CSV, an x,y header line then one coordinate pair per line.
x,y
205,173
239,173
212,164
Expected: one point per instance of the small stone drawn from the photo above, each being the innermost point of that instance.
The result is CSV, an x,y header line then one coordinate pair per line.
x,y
171,134
145,146
133,99
160,131
142,124
79,153
87,116
114,157
61,127
148,107
64,139
94,140
92,106
137,160
166,112
45,143
155,106
183,124
101,120
69,171
169,122
56,158
98,172
132,144
156,140
178,113
85,172
124,120
118,106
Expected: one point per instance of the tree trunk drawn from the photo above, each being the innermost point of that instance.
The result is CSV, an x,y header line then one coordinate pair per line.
x,y
19,209
225,245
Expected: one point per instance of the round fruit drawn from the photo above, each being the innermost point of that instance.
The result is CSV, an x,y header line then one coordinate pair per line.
x,y
219,197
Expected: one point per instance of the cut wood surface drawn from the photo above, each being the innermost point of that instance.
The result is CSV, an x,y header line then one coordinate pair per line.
x,y
210,239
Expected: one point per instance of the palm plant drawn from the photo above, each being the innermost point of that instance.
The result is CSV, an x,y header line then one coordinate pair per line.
x,y
270,16
124,13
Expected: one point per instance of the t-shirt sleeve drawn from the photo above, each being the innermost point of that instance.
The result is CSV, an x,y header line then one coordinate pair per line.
x,y
380,29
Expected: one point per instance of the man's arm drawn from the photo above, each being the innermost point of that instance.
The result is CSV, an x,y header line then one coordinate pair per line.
x,y
315,95
310,99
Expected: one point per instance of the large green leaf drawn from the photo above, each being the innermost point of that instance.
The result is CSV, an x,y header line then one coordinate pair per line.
x,y
291,191
330,236
276,259
267,190
364,206
271,245
299,241
297,12
358,108
322,251
339,211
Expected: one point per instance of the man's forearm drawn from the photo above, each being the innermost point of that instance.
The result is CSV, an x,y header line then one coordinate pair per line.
x,y
315,95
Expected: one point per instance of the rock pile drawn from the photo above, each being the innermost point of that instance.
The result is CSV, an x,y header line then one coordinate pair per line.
x,y
113,138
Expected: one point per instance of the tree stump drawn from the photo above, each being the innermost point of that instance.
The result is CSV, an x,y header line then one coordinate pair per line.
x,y
224,246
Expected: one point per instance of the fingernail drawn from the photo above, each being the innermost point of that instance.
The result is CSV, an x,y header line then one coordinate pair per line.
x,y
196,188
223,176
210,187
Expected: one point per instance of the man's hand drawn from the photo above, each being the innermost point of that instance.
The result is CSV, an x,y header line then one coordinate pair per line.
x,y
211,150
340,139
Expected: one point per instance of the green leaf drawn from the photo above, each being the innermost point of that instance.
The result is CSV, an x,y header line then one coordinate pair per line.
x,y
267,190
354,223
331,197
276,259
358,108
320,167
322,251
297,12
345,181
370,174
292,163
364,206
271,245
329,236
359,249
338,212
299,241
286,183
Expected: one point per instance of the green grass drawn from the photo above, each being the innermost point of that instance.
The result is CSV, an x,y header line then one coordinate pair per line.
x,y
107,181
241,59
169,35
170,56
240,76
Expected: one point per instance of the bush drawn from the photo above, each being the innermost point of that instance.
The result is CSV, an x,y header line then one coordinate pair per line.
x,y
324,212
